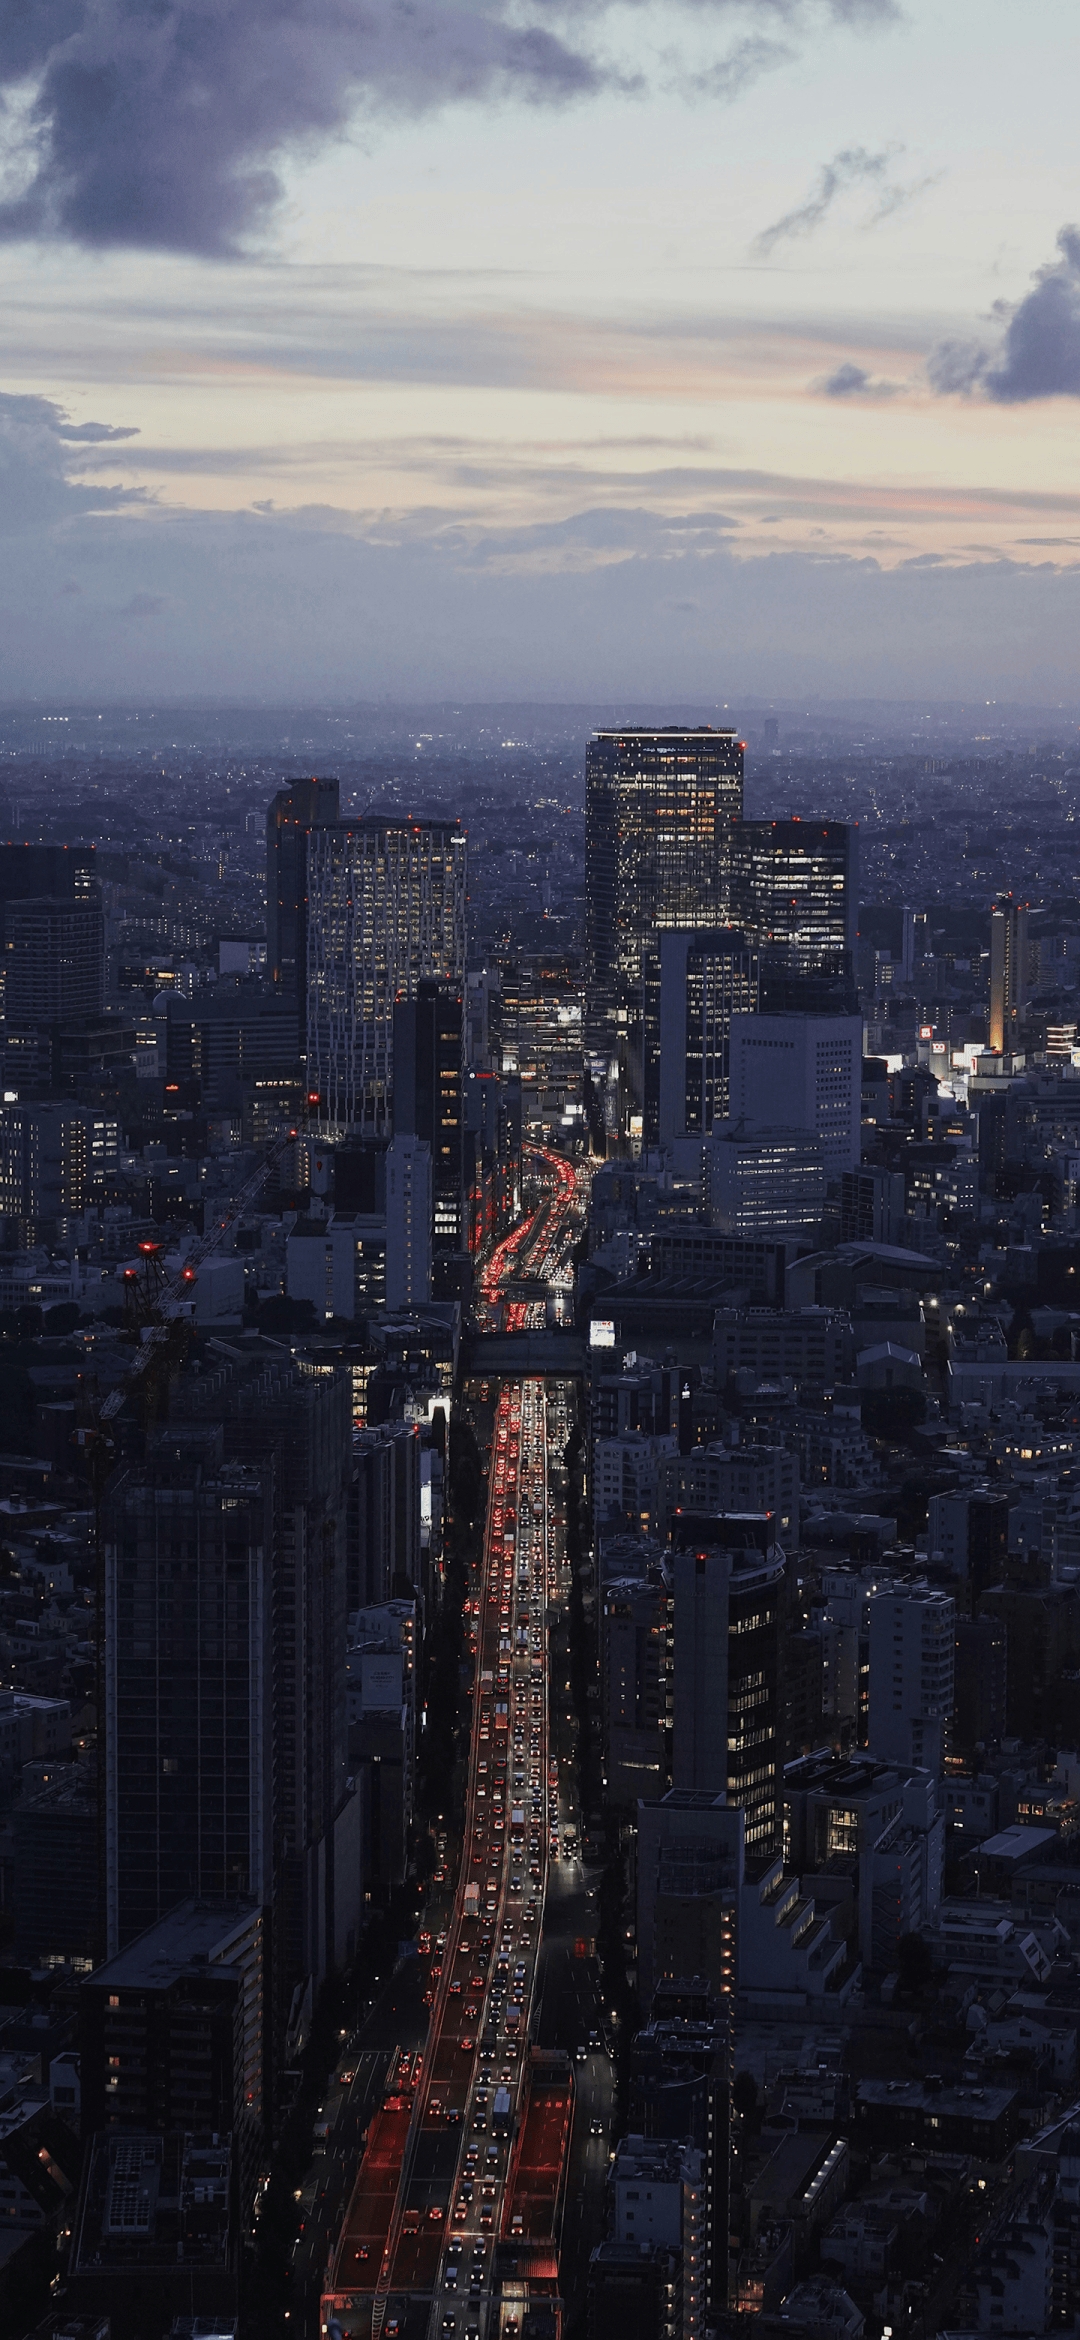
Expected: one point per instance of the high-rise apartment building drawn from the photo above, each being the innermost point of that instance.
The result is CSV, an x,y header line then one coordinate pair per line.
x,y
728,1579
386,908
189,1543
795,889
45,1164
226,1724
659,810
1008,970
294,812
383,1559
54,961
801,1072
912,1672
277,1414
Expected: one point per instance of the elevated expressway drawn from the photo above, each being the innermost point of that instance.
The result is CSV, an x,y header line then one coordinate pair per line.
x,y
468,2150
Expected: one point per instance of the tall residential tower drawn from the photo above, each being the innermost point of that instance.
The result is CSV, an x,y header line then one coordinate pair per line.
x,y
386,908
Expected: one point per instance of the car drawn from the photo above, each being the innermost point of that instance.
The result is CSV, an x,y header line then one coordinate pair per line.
x,y
449,2323
596,2128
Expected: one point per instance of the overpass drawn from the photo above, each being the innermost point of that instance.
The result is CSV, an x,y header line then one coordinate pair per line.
x,y
555,1356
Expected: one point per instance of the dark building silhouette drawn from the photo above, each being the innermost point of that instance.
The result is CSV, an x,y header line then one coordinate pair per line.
x,y
429,1101
728,1736
294,812
173,2032
981,1679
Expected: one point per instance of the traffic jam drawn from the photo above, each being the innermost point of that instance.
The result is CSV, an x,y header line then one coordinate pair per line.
x,y
465,2091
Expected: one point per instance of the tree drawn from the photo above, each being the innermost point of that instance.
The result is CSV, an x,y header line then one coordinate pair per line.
x,y
915,1963
744,2095
282,1316
64,1318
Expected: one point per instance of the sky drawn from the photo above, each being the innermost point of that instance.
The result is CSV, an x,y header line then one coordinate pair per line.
x,y
364,348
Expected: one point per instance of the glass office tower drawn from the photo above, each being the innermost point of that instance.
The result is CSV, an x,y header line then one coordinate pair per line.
x,y
659,809
795,889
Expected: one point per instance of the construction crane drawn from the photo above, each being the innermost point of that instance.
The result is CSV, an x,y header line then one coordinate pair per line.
x,y
158,1305
173,1297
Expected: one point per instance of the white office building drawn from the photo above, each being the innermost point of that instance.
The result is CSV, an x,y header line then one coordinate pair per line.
x,y
800,1072
765,1182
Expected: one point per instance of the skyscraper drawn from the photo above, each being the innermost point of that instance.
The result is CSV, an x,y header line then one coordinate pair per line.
x,y
225,1701
386,907
428,1101
54,961
1008,970
795,890
188,1658
296,810
691,989
659,809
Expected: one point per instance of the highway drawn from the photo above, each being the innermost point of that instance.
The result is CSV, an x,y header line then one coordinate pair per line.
x,y
470,2139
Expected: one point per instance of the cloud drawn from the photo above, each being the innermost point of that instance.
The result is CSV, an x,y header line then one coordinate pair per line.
x,y
1039,354
36,486
852,381
130,122
754,55
143,605
852,167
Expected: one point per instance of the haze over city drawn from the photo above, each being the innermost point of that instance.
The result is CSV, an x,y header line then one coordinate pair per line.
x,y
539,352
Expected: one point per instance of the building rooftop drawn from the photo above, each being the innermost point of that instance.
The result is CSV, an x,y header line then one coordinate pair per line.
x,y
987,2104
194,1933
152,2199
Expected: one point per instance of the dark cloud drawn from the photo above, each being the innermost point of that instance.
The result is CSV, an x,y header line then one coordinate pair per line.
x,y
852,381
161,126
1039,354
